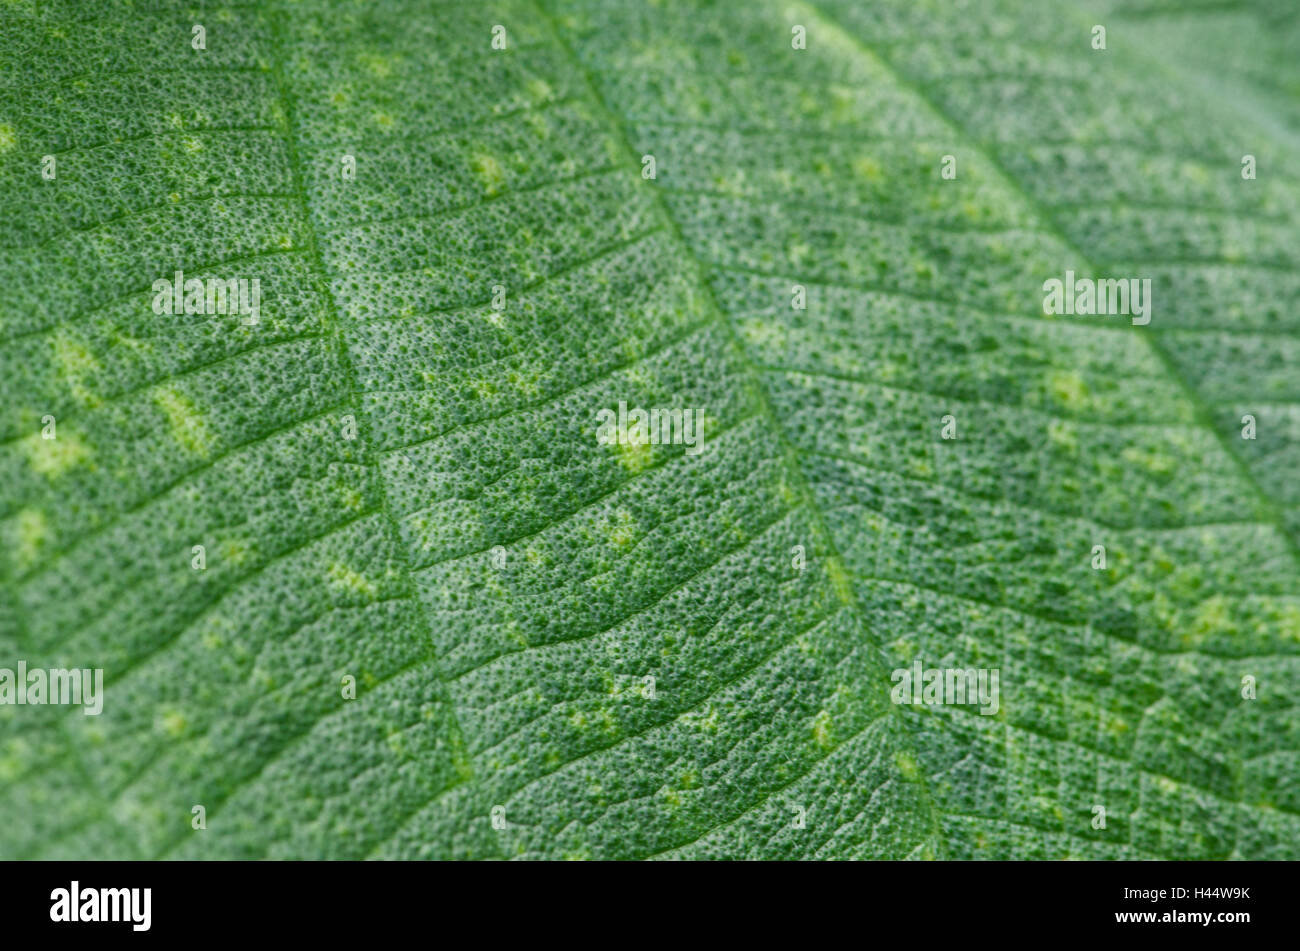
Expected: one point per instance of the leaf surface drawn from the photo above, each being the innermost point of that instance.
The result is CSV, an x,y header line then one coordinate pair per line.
x,y
649,674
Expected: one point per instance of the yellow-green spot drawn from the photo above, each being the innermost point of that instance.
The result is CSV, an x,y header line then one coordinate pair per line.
x,y
823,730
1289,623
840,580
638,377
1152,461
1069,389
539,124
173,723
15,760
526,385
634,456
789,494
1063,434
907,767
375,64
621,530
888,371
184,423
383,120
483,388
1213,616
842,104
54,457
496,589
76,363
32,533
732,183
461,764
762,335
1195,173
919,467
608,722
489,173
868,168
8,138
232,552
349,579
705,720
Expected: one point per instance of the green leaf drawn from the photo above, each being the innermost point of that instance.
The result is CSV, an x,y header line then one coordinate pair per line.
x,y
563,648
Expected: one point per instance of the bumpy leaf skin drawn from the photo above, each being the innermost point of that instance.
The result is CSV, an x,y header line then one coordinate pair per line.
x,y
498,582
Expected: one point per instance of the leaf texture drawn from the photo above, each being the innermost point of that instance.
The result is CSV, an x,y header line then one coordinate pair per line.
x,y
503,711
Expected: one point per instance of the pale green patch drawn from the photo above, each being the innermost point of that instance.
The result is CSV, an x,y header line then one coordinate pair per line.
x,y
15,759
1069,389
489,173
232,551
1213,616
32,530
634,457
53,458
75,364
907,766
868,168
764,336
1153,461
173,723
483,387
348,579
376,64
1288,619
621,530
823,730
185,424
705,720
840,580
1063,434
